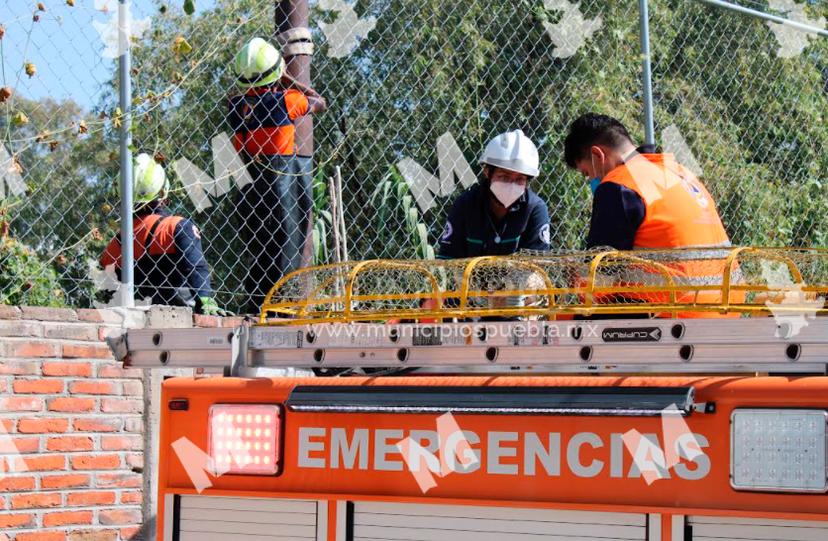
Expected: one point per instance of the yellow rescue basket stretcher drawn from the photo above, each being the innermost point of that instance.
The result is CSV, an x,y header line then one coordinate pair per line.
x,y
665,283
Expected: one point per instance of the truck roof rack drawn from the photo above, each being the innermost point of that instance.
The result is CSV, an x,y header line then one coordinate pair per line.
x,y
529,313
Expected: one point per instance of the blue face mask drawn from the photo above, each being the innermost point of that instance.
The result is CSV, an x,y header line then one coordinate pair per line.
x,y
594,183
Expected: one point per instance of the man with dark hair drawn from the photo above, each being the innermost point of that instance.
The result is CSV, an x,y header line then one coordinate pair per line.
x,y
640,199
644,200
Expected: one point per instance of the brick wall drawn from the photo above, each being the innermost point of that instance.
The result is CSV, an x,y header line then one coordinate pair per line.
x,y
76,420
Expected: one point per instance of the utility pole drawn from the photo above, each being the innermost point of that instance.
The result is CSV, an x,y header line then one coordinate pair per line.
x,y
294,36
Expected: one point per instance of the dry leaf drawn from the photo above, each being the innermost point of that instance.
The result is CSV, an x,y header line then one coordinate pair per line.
x,y
36,17
160,158
117,121
30,68
82,127
16,166
5,94
41,7
53,145
181,46
2,31
70,3
95,233
20,119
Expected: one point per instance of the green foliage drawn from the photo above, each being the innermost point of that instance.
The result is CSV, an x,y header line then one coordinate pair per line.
x,y
26,278
393,203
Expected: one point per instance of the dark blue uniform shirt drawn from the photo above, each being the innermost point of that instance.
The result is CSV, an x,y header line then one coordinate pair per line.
x,y
617,212
472,231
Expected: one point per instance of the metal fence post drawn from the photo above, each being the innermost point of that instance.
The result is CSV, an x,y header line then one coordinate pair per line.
x,y
127,290
647,72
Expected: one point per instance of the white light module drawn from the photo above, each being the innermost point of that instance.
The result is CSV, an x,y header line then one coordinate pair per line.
x,y
779,450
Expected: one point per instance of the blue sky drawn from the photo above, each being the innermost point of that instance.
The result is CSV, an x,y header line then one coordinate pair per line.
x,y
64,46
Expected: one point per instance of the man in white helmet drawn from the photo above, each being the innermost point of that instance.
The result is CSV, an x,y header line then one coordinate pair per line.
x,y
170,267
500,215
276,209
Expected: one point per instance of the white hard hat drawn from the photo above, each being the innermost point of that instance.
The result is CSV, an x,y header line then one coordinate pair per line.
x,y
512,151
258,63
149,179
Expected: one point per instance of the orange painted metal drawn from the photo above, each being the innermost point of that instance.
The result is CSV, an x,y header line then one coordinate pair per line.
x,y
614,488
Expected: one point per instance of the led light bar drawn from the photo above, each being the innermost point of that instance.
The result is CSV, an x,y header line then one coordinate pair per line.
x,y
245,438
779,450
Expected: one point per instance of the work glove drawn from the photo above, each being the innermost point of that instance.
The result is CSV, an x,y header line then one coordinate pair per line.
x,y
208,307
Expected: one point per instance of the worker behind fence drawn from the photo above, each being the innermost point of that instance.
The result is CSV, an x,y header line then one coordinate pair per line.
x,y
170,267
648,201
276,208
500,215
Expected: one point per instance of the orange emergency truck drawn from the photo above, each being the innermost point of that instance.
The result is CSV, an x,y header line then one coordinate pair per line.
x,y
526,408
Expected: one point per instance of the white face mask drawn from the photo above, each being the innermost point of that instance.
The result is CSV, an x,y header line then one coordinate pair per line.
x,y
507,192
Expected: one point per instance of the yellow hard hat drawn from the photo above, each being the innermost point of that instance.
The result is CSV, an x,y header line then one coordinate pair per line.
x,y
258,64
149,180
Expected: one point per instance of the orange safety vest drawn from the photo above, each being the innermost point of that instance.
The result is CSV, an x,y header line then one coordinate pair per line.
x,y
680,213
153,233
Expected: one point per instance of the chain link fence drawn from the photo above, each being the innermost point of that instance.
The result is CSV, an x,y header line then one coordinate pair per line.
x,y
415,90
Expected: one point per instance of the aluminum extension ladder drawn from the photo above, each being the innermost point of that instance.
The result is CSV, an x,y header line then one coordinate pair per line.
x,y
745,345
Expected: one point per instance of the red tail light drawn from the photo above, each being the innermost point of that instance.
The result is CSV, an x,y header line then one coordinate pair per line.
x,y
245,438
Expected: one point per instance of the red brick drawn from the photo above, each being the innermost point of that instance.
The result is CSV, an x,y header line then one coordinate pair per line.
x,y
93,535
109,517
16,484
20,329
120,405
65,518
31,348
41,536
91,315
70,443
119,480
21,403
8,425
88,498
64,481
231,321
106,332
3,386
83,370
135,461
84,351
130,533
132,497
42,426
40,463
206,321
19,368
92,387
97,425
115,371
99,462
72,404
133,388
40,386
20,446
134,425
42,313
16,520
122,443
70,332
38,500
9,312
